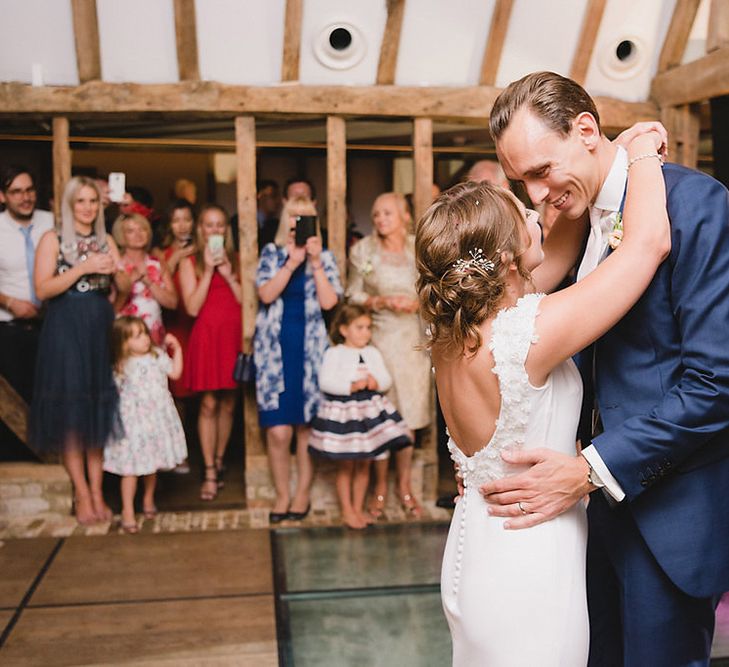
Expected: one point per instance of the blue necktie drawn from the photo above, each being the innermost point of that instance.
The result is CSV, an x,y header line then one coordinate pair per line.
x,y
30,260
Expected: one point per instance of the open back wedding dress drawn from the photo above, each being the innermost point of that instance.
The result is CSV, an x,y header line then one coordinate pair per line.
x,y
517,597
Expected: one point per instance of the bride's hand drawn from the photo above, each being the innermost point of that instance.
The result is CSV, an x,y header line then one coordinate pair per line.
x,y
645,127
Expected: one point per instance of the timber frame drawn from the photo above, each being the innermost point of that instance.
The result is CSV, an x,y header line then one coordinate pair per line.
x,y
676,92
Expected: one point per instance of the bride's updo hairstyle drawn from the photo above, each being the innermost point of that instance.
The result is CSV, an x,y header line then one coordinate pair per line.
x,y
458,286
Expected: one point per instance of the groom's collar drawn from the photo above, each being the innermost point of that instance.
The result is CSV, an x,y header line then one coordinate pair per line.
x,y
611,194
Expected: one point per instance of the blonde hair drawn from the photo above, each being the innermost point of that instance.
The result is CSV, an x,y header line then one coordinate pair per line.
x,y
401,204
122,330
199,237
298,206
468,217
117,230
69,248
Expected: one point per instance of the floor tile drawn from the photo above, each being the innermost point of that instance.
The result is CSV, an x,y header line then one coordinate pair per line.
x,y
20,563
5,616
369,631
334,558
229,631
116,568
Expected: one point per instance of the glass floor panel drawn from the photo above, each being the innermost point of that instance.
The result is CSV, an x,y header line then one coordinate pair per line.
x,y
334,558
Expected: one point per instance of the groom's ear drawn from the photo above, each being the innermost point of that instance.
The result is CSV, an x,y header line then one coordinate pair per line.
x,y
587,129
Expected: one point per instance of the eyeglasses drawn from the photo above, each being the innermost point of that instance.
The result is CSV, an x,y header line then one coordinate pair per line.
x,y
19,192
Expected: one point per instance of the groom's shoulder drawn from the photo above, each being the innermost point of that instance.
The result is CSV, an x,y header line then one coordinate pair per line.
x,y
690,190
677,175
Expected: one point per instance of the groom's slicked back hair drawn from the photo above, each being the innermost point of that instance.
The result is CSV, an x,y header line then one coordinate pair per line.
x,y
555,99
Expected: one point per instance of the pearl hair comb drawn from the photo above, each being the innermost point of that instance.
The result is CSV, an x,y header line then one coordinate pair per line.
x,y
477,259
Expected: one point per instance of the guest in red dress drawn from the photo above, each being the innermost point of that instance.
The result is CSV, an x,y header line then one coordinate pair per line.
x,y
211,291
177,243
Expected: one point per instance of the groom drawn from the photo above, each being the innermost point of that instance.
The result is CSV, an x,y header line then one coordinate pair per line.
x,y
658,550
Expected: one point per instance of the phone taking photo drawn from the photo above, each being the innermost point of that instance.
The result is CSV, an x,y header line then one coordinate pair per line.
x,y
305,229
117,186
216,243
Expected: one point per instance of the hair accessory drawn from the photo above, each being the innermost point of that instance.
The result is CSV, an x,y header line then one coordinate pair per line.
x,y
477,259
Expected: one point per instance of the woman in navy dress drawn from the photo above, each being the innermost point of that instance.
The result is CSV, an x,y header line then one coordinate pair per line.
x,y
74,408
295,284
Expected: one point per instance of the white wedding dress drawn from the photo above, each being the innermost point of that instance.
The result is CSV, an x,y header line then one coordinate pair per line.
x,y
517,597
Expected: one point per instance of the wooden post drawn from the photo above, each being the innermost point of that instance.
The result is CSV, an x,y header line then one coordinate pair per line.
x,y
186,40
684,125
423,158
86,37
292,41
390,42
61,162
337,192
245,147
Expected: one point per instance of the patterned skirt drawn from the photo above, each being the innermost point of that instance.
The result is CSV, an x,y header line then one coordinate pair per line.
x,y
360,426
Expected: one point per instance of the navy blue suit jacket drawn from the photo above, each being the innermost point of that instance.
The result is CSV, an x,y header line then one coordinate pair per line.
x,y
662,385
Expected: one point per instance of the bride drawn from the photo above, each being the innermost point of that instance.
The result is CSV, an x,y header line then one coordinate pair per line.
x,y
501,352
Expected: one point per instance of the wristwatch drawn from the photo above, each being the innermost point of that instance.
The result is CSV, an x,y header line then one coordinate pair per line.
x,y
592,476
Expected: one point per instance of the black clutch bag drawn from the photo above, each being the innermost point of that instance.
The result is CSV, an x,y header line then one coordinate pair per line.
x,y
244,369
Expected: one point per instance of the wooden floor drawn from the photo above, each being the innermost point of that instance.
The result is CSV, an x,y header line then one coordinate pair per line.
x,y
163,599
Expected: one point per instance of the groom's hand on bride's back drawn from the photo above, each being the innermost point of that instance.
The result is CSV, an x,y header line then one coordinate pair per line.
x,y
553,484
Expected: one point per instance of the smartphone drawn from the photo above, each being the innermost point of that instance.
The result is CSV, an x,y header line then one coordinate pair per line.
x,y
117,186
216,243
305,228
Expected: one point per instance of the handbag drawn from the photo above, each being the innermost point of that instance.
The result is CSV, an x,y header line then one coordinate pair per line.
x,y
245,368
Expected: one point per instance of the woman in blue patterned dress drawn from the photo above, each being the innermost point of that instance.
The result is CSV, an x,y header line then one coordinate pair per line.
x,y
295,284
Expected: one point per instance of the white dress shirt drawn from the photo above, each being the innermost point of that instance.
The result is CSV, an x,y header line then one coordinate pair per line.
x,y
14,278
602,218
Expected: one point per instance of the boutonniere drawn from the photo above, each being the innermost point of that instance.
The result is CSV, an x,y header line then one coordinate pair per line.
x,y
616,233
367,267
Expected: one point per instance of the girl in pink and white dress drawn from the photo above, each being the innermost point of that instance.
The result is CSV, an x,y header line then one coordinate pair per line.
x,y
355,423
153,437
151,284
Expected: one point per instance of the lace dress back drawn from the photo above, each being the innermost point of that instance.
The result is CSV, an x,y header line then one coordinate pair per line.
x,y
518,597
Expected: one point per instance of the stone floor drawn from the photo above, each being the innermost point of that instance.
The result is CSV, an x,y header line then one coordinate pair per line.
x,y
180,522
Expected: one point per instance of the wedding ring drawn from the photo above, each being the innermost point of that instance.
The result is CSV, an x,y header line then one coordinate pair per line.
x,y
521,508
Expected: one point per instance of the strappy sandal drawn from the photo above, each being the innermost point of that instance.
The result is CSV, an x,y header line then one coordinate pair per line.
x,y
411,506
149,514
219,471
376,508
130,528
209,481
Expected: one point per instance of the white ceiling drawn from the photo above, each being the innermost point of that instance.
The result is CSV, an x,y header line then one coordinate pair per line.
x,y
442,43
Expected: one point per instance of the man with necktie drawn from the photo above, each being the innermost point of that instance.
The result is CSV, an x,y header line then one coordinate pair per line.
x,y
658,549
21,227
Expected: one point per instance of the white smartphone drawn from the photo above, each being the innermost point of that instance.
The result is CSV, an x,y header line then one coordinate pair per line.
x,y
216,243
117,186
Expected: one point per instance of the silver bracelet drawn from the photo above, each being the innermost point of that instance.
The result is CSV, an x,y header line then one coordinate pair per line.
x,y
643,157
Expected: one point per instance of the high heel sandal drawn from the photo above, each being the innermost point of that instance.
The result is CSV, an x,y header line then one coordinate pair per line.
x,y
220,471
209,481
130,528
411,506
376,508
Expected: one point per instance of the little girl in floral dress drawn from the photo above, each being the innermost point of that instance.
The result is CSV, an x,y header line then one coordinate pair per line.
x,y
153,436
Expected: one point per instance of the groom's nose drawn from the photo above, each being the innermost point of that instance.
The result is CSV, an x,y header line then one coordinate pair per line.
x,y
537,191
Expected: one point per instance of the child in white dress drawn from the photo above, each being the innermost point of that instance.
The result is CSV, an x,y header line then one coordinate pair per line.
x,y
153,435
355,422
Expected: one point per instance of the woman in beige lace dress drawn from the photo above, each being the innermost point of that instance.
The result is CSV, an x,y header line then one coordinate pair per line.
x,y
382,277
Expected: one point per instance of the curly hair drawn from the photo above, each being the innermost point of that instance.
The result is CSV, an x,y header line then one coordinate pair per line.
x,y
454,303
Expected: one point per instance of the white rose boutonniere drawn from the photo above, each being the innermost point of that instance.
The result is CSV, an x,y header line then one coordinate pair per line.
x,y
367,267
616,233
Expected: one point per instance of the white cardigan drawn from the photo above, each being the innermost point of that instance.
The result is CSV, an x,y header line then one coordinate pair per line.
x,y
340,366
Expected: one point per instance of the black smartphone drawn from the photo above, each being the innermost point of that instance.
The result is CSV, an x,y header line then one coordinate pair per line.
x,y
305,228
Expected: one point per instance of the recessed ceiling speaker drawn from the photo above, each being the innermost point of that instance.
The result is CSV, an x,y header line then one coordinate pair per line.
x,y
623,58
340,46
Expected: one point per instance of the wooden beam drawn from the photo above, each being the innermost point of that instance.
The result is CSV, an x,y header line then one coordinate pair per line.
x,y
245,151
586,43
291,41
61,162
423,159
718,34
186,34
684,14
684,126
86,36
13,410
206,99
495,42
390,42
693,82
337,191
